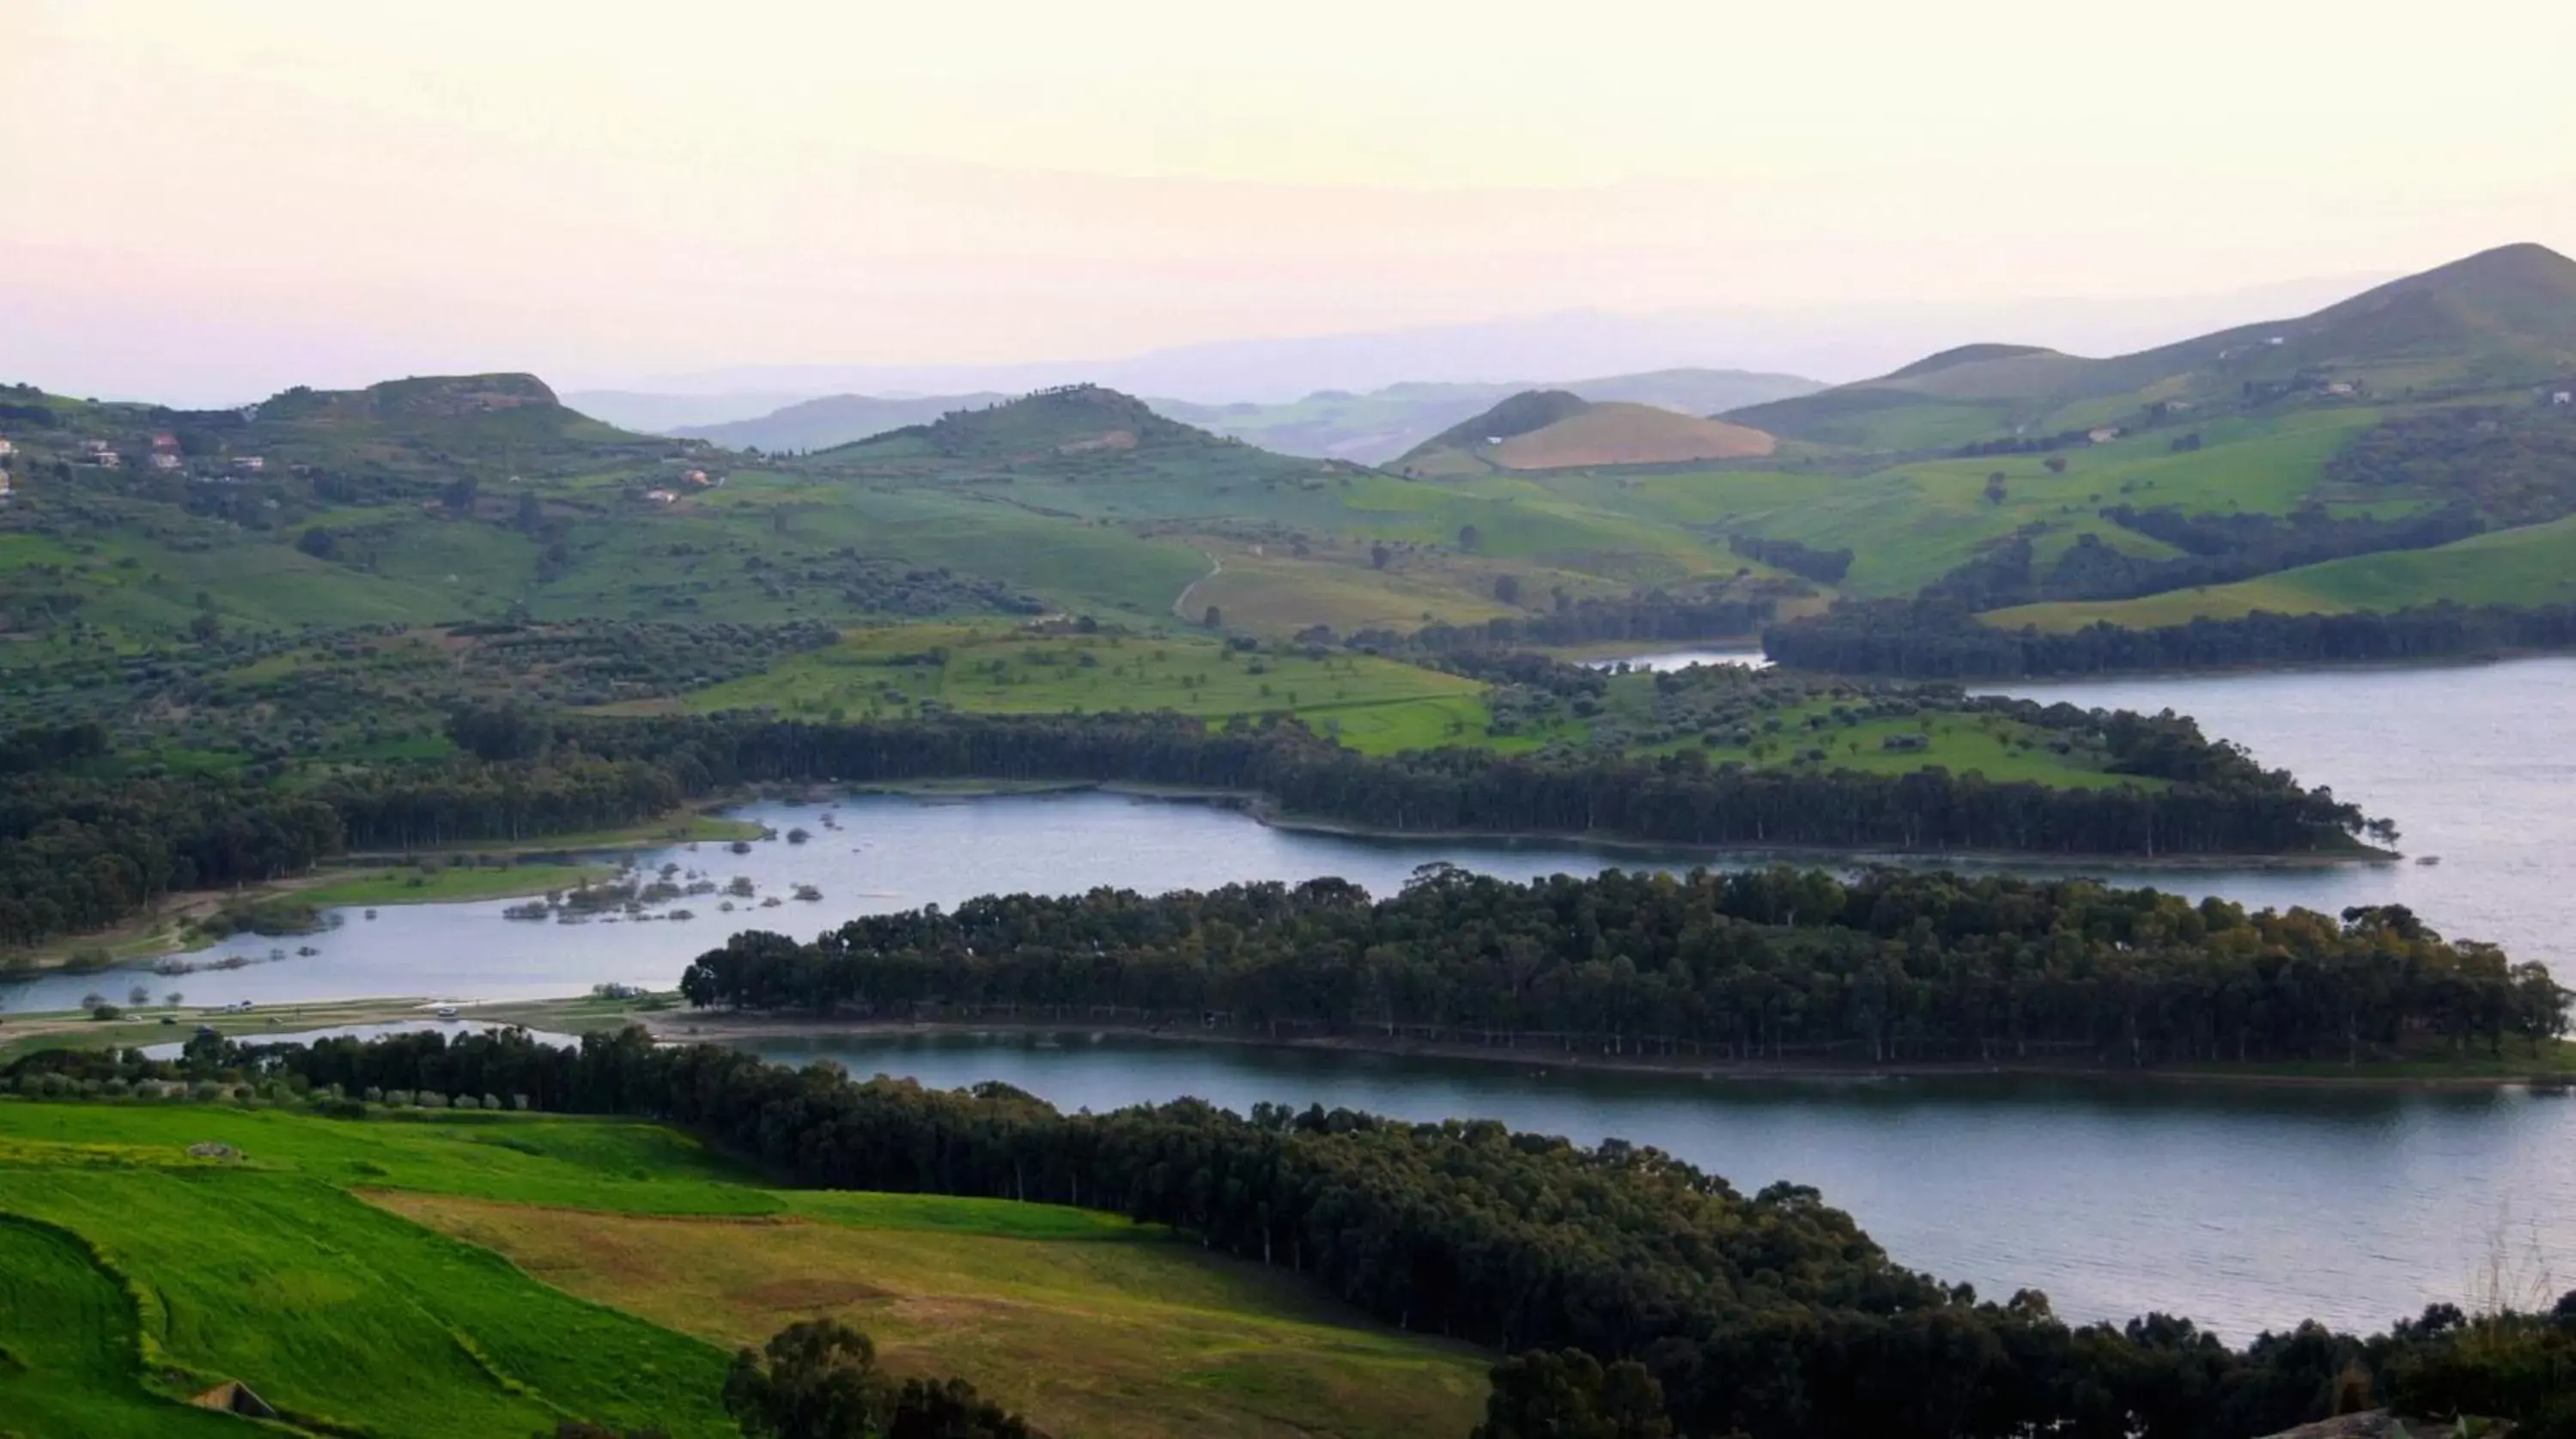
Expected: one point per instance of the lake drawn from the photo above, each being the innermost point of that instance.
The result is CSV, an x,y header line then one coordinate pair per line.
x,y
2477,765
2240,1206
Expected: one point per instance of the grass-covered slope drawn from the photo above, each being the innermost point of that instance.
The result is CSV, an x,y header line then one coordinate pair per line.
x,y
492,1274
1129,1338
1558,430
1910,523
2530,565
1372,704
70,1354
2501,318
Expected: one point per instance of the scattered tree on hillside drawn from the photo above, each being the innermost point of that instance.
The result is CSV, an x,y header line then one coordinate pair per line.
x,y
1567,1394
2056,464
1378,556
1507,588
815,1379
820,1380
1995,488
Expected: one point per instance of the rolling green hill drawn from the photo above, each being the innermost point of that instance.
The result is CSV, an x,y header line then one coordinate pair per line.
x,y
2407,418
1560,430
2498,319
477,1274
2532,565
1061,423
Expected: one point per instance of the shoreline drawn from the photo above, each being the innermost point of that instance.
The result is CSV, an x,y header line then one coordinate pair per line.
x,y
2481,660
532,867
674,1024
1262,810
160,931
732,1028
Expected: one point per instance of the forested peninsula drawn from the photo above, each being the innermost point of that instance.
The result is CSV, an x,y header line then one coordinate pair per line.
x,y
1771,1316
1774,965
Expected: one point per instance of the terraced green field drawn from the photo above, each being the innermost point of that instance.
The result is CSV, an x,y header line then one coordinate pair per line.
x,y
481,1275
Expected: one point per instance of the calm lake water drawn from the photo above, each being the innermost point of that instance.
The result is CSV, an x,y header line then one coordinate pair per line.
x,y
2476,764
2240,1208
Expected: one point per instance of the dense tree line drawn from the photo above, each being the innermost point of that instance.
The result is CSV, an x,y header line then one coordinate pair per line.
x,y
1895,966
1825,567
1675,798
2509,465
2217,549
88,849
1938,640
80,851
1771,1315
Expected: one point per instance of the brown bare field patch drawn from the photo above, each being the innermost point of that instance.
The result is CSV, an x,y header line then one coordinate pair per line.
x,y
1153,1338
1627,434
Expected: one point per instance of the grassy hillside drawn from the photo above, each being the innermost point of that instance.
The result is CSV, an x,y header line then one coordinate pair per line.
x,y
1373,704
1131,1338
1911,523
489,1274
1558,429
2499,319
2532,565
482,498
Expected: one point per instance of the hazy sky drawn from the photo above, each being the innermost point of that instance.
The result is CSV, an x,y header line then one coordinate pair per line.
x,y
224,198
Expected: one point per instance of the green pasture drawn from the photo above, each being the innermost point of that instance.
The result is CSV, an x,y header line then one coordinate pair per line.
x,y
1373,703
2531,565
491,1274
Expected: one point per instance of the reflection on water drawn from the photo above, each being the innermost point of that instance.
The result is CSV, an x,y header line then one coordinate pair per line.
x,y
2242,1206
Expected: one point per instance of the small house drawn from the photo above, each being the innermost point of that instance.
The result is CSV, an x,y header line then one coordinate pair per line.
x,y
2336,387
94,447
6,449
2562,399
164,460
2104,435
165,444
662,497
697,477
249,464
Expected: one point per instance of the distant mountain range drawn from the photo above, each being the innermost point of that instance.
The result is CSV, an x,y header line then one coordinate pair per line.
x,y
1329,424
